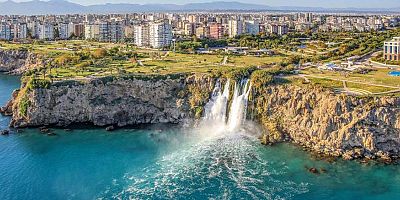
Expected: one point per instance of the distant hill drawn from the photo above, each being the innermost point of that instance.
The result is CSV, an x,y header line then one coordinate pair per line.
x,y
37,7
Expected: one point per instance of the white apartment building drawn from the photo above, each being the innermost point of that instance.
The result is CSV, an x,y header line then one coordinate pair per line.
x,y
91,31
21,31
33,27
116,31
104,32
141,35
46,32
5,32
65,30
252,27
235,27
391,49
160,34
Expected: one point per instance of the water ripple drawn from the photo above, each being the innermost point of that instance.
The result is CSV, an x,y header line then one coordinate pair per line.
x,y
225,167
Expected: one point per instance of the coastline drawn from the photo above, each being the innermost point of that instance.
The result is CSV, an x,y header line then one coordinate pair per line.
x,y
349,144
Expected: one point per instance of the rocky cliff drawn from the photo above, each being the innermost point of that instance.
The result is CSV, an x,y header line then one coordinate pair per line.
x,y
18,61
316,118
332,124
109,101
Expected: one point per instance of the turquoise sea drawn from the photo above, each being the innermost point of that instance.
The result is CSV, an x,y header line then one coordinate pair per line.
x,y
169,162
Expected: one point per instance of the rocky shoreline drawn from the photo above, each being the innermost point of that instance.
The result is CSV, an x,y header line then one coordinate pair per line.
x,y
314,118
109,101
18,61
330,124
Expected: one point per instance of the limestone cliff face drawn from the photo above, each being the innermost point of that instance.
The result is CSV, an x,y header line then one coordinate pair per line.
x,y
103,102
330,123
18,61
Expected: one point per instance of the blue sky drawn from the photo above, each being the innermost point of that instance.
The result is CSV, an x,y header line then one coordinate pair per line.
x,y
312,3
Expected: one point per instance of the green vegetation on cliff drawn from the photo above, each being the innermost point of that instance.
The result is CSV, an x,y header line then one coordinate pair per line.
x,y
23,105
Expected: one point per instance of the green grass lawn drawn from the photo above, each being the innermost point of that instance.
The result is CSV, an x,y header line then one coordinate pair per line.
x,y
253,60
379,76
370,88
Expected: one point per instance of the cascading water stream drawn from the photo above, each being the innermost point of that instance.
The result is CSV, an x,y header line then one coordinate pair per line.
x,y
215,110
237,113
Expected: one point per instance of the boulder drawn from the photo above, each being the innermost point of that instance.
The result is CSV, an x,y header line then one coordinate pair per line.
x,y
110,128
4,132
313,170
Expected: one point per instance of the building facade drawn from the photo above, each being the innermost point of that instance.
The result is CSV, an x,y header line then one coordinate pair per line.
x,y
391,49
160,34
5,32
235,28
46,32
252,27
216,31
141,35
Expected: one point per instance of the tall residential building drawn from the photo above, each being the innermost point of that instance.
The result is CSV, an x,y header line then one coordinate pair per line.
x,y
216,31
252,27
189,28
278,29
141,35
160,34
46,31
392,49
79,30
203,32
5,31
283,29
91,31
129,33
65,30
116,31
309,17
235,27
20,31
33,28
104,32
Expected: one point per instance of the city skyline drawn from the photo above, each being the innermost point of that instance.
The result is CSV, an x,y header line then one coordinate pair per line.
x,y
296,3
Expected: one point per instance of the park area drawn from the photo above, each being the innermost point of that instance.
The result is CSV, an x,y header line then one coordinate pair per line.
x,y
376,81
83,59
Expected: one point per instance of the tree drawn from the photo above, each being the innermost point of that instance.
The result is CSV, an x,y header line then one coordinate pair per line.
x,y
194,38
99,53
294,59
62,59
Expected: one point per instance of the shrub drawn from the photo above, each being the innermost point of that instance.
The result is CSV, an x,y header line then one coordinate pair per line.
x,y
23,105
99,53
34,83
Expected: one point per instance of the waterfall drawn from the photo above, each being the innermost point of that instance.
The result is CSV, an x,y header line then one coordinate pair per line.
x,y
237,113
215,116
215,109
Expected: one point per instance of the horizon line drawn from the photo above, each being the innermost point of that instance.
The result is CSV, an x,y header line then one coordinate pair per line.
x,y
216,1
